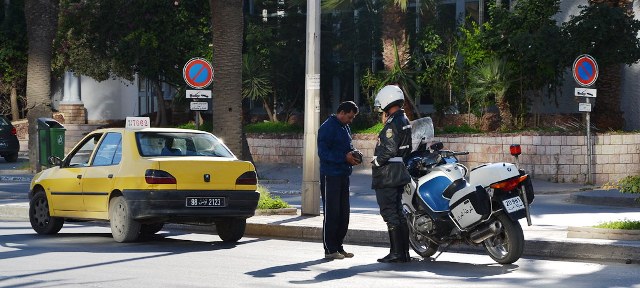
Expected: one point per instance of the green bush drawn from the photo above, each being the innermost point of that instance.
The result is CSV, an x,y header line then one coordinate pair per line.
x,y
629,184
273,127
207,126
268,202
375,129
622,225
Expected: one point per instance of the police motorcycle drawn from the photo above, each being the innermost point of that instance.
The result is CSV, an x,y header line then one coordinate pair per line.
x,y
446,204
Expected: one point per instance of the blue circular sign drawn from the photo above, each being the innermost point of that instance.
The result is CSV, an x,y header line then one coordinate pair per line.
x,y
198,73
585,70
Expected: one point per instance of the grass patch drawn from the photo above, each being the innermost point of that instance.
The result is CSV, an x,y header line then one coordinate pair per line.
x,y
268,202
621,225
273,127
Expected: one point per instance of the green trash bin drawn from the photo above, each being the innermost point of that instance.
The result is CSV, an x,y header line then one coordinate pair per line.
x,y
50,140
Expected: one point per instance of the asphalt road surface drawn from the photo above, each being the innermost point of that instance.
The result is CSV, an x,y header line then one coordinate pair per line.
x,y
85,255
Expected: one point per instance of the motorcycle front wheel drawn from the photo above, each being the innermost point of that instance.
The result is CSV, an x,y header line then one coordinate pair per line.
x,y
507,246
424,247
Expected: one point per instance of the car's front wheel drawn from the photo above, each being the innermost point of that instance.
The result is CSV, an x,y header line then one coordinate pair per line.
x,y
123,227
39,216
231,230
11,157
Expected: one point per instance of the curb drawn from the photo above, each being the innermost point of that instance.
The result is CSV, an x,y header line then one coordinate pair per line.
x,y
627,202
603,233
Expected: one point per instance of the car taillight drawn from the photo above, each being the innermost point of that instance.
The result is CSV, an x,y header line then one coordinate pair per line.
x,y
158,177
509,184
14,131
247,178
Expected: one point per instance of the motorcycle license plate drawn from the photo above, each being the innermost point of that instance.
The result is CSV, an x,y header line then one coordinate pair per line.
x,y
205,202
513,204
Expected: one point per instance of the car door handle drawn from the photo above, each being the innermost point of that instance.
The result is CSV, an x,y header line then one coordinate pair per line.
x,y
79,176
110,176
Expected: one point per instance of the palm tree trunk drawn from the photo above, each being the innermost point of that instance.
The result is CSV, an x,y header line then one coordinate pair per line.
x,y
161,115
41,18
505,114
227,30
606,112
15,113
393,23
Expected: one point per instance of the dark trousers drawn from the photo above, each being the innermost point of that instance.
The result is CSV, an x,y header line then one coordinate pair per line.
x,y
390,202
335,203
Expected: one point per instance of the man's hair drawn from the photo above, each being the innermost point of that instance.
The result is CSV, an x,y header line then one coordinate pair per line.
x,y
347,107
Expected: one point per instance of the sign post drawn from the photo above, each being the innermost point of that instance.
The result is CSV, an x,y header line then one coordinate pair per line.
x,y
198,74
585,72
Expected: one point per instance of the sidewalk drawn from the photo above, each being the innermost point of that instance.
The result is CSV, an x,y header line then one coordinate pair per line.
x,y
556,210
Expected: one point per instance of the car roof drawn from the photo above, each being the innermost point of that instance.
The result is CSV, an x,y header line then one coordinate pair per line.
x,y
166,130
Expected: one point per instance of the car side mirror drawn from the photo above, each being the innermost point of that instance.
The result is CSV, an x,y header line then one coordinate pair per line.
x,y
55,161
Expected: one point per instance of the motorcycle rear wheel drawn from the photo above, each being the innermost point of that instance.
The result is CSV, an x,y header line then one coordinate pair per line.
x,y
424,248
508,245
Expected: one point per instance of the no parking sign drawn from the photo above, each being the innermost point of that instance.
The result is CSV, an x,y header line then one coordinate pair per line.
x,y
198,73
585,70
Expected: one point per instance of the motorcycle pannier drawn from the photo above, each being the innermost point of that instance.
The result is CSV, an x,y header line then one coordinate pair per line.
x,y
470,206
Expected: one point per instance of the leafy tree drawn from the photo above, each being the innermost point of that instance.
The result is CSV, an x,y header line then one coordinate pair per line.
x,y
529,37
13,56
608,32
108,38
41,19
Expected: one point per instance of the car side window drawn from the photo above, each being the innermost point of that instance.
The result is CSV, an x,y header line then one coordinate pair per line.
x,y
110,150
81,157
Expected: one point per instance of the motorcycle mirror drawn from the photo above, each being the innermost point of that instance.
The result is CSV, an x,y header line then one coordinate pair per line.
x,y
436,146
515,149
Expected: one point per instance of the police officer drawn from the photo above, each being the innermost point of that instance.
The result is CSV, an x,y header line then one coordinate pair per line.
x,y
389,174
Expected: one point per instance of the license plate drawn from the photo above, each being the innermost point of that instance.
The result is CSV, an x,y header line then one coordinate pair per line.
x,y
205,202
513,204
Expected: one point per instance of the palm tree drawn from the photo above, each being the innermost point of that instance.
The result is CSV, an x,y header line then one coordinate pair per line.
x,y
42,18
490,79
227,29
256,84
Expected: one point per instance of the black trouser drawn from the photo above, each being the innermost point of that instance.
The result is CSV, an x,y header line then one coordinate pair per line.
x,y
390,202
335,203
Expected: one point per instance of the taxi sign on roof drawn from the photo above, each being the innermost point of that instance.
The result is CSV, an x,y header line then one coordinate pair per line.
x,y
137,122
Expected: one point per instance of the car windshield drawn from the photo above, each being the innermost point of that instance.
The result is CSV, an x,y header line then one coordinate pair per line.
x,y
180,144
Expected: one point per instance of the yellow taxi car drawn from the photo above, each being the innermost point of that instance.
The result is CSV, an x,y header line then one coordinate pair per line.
x,y
139,179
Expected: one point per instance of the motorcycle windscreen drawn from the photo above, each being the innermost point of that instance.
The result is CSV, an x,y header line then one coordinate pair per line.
x,y
431,193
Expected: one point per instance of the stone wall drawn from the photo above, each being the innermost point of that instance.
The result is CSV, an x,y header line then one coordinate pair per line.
x,y
557,158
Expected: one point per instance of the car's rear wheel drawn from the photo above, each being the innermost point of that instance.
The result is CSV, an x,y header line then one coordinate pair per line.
x,y
39,216
123,227
11,157
231,230
150,229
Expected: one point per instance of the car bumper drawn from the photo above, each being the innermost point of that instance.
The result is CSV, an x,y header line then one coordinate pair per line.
x,y
170,205
9,146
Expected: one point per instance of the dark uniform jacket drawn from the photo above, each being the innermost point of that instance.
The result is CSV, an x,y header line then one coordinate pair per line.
x,y
394,145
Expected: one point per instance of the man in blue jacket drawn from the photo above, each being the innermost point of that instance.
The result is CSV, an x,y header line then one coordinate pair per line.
x,y
337,155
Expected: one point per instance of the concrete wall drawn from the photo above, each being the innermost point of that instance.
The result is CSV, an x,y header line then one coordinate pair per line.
x,y
557,158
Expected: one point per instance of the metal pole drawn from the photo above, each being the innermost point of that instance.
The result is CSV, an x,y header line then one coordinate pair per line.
x,y
197,120
311,163
589,146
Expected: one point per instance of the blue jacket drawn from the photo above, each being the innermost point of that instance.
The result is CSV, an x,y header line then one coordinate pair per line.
x,y
334,142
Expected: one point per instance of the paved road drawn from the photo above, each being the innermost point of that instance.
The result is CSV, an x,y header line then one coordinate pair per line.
x,y
84,255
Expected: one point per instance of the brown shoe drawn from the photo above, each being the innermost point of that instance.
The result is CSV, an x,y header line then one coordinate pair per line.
x,y
335,255
346,254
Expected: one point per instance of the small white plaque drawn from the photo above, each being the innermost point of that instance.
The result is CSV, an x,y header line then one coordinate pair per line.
x,y
584,107
198,94
585,92
313,81
137,122
199,106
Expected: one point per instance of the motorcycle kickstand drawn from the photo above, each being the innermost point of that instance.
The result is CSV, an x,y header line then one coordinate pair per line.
x,y
440,251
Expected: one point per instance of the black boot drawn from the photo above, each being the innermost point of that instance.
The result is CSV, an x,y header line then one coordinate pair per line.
x,y
395,254
404,238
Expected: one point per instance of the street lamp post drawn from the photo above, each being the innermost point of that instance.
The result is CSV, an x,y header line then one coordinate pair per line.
x,y
311,163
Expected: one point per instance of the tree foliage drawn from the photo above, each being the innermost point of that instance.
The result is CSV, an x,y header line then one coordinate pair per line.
x,y
13,52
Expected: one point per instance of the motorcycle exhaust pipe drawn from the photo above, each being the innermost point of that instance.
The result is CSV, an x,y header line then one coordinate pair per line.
x,y
485,232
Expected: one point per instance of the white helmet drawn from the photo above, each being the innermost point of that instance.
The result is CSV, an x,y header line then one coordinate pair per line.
x,y
387,95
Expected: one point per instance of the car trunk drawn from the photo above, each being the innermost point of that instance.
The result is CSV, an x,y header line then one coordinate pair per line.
x,y
191,172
